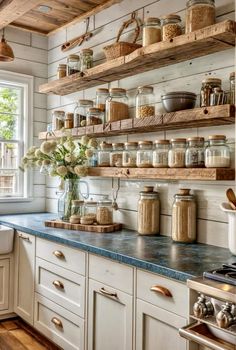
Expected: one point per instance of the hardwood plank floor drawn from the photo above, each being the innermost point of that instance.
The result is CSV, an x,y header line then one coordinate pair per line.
x,y
15,334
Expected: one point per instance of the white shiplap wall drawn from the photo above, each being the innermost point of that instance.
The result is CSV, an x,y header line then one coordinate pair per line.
x,y
31,57
183,76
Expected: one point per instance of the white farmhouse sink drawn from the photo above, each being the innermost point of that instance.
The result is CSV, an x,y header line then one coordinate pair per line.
x,y
6,239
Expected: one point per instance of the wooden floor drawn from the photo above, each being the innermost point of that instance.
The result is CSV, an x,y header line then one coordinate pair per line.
x,y
17,335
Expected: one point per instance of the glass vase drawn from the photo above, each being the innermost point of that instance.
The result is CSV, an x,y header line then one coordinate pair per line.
x,y
71,192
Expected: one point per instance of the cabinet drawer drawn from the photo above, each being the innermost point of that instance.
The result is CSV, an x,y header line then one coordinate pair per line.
x,y
58,324
111,273
177,302
64,287
61,255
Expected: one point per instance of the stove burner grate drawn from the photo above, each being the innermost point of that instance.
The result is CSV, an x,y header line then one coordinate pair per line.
x,y
226,274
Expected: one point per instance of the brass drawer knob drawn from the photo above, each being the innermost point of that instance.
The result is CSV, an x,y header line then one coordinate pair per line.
x,y
110,294
161,290
57,322
58,284
25,238
58,254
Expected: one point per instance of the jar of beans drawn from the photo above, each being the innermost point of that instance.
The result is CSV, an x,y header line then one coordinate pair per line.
x,y
80,112
116,154
104,212
104,154
101,96
194,155
94,116
176,154
171,27
145,102
144,154
130,154
160,154
199,14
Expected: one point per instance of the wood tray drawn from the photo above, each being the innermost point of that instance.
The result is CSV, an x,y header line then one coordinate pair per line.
x,y
79,227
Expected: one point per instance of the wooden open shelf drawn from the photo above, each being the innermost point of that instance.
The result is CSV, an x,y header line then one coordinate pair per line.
x,y
197,117
215,38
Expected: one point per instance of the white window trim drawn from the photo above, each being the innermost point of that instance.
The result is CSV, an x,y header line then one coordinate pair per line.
x,y
27,82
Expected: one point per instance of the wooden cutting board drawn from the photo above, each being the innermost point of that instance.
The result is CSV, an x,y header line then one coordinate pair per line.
x,y
79,227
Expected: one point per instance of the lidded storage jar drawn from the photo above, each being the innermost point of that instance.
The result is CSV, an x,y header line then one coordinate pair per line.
x,y
101,96
73,64
116,154
151,31
160,154
232,88
217,153
148,212
184,217
171,27
199,14
69,120
61,71
145,102
144,154
80,112
194,155
208,85
130,154
94,116
58,120
90,209
104,154
176,155
117,105
77,207
104,212
86,59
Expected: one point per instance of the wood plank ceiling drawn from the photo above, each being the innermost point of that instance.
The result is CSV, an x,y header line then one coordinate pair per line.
x,y
48,16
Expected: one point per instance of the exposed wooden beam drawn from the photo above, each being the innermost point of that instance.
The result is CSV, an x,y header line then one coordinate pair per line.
x,y
28,28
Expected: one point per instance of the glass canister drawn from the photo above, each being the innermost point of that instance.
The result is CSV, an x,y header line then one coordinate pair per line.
x,y
148,212
232,88
58,120
176,154
145,102
151,31
77,207
130,154
194,155
90,209
160,154
117,105
94,116
144,154
81,111
101,96
199,14
208,85
184,217
104,212
73,64
61,71
116,154
104,154
69,120
217,153
86,59
171,26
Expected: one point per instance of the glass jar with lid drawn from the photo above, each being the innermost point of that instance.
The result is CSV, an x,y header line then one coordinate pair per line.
x,y
61,71
101,96
194,155
144,154
86,59
171,27
73,64
104,154
116,154
94,116
58,120
80,112
232,88
148,212
208,85
104,212
145,102
217,153
129,157
199,14
160,154
176,154
151,31
77,207
184,217
69,120
90,209
117,105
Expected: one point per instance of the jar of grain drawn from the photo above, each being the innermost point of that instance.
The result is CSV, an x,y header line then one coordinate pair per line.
x,y
144,154
208,85
145,100
116,154
184,217
94,116
217,153
61,71
58,120
151,31
104,212
104,154
81,111
160,154
116,105
69,121
148,212
129,156
101,96
176,154
171,27
73,64
86,59
194,155
232,88
199,14
90,209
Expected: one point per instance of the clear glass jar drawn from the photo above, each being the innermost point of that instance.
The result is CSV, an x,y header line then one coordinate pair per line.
x,y
148,212
101,96
184,217
61,71
104,154
94,116
73,64
69,120
104,212
80,112
171,27
93,161
217,153
145,102
144,154
232,88
160,154
58,120
199,14
151,31
194,155
90,209
129,156
86,59
208,85
77,207
176,154
116,154
117,105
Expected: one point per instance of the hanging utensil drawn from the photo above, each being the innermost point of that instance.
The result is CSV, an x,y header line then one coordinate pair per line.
x,y
78,41
115,194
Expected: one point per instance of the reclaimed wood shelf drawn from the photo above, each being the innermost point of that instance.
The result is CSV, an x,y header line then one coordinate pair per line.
x,y
197,117
215,38
79,227
203,174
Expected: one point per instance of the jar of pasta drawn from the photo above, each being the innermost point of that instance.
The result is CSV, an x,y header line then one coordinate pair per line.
x,y
171,27
199,14
176,154
117,105
148,212
144,154
160,154
130,154
217,153
151,31
104,154
116,154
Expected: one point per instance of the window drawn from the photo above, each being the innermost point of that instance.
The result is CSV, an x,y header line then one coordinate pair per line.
x,y
16,91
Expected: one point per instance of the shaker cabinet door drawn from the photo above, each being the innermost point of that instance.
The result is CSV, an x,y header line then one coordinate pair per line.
x,y
4,283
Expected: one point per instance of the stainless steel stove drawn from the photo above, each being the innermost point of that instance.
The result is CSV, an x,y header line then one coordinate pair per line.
x,y
225,274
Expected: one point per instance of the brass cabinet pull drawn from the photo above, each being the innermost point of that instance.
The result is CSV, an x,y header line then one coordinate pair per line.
x,y
25,238
58,284
58,254
110,294
57,322
162,290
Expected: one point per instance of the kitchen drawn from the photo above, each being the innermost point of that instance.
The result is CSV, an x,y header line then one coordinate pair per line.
x,y
117,143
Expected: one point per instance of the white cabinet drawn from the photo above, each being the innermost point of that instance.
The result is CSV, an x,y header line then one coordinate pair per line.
x,y
24,276
4,284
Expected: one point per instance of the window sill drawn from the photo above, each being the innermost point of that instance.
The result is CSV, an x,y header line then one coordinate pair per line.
x,y
15,200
